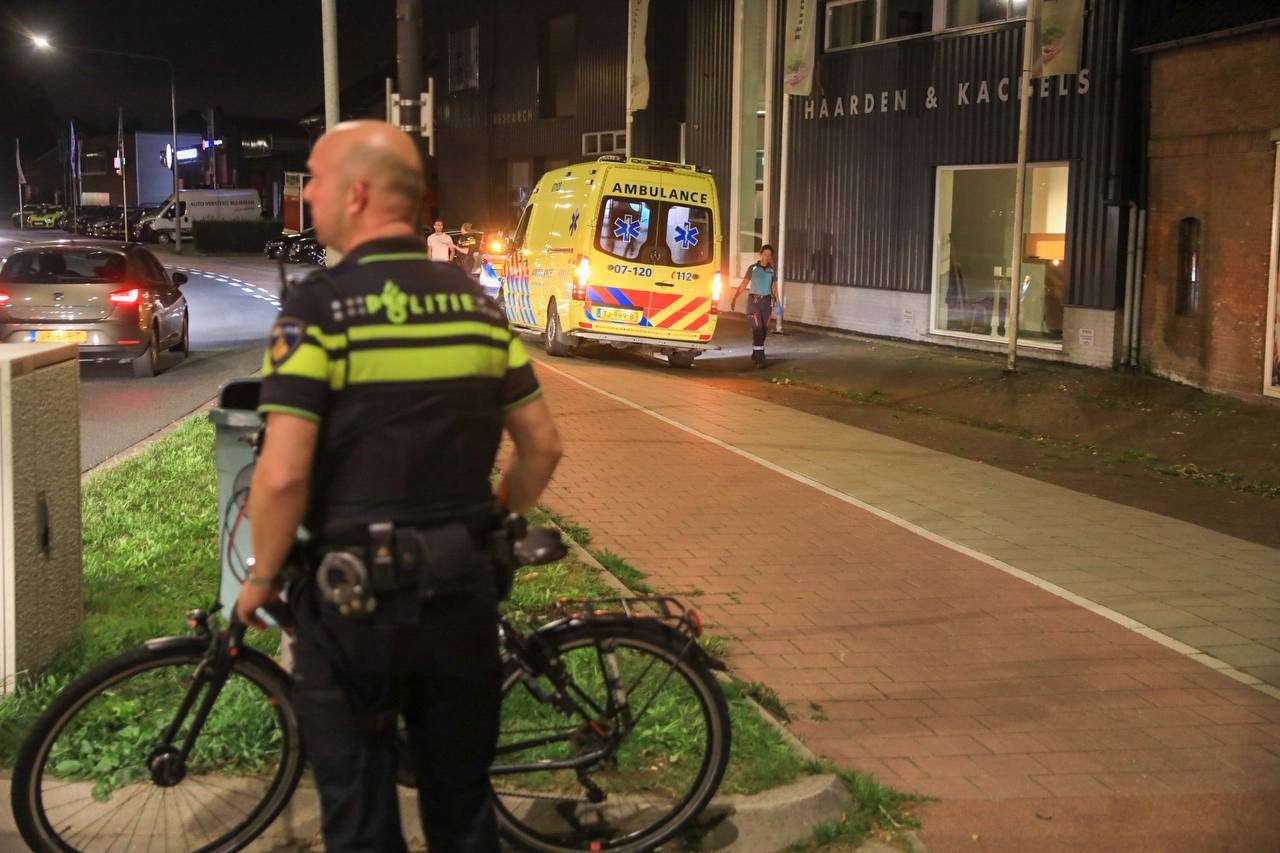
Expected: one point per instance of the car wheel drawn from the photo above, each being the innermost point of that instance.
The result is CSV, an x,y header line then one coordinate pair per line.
x,y
184,343
681,358
557,342
163,237
148,364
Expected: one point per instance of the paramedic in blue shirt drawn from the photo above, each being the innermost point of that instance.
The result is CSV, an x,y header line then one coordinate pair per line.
x,y
762,278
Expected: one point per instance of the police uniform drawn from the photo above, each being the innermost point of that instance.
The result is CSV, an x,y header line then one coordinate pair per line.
x,y
469,259
759,307
408,368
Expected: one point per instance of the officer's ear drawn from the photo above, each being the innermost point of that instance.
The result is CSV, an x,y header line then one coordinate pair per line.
x,y
358,196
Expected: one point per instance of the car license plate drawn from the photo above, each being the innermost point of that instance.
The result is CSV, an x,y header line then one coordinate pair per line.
x,y
59,336
618,315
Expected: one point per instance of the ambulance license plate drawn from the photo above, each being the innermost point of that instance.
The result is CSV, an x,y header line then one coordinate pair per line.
x,y
618,315
59,336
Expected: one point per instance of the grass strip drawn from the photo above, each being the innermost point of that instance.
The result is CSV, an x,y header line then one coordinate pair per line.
x,y
150,530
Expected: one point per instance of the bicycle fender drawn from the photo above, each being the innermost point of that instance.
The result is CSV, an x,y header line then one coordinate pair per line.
x,y
640,625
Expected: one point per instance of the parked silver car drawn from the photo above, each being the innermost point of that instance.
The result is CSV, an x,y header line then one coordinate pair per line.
x,y
115,300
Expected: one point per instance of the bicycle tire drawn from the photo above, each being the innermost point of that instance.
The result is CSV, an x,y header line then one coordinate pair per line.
x,y
120,723
651,796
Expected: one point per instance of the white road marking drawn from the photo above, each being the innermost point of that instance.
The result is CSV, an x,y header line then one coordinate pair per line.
x,y
1065,594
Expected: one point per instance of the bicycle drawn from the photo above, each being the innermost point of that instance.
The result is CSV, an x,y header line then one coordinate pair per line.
x,y
614,736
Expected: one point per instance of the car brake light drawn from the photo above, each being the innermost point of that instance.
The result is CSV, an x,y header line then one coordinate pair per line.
x,y
716,284
579,292
4,297
126,297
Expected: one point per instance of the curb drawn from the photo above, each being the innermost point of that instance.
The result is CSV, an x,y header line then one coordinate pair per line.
x,y
139,446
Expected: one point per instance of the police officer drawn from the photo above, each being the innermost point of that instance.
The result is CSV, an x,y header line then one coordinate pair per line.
x,y
387,385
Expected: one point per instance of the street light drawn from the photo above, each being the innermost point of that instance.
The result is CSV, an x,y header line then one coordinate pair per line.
x,y
43,43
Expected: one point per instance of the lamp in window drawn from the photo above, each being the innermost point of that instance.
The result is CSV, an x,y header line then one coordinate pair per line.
x,y
1051,247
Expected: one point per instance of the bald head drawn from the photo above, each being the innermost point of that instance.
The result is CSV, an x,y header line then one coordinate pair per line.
x,y
366,182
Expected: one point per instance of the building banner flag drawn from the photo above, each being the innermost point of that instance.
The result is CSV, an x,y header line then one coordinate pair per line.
x,y
1059,32
639,71
17,153
798,52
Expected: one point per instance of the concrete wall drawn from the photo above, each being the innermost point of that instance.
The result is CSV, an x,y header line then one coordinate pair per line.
x,y
1213,107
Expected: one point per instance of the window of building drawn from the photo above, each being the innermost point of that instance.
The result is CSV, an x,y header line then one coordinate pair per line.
x,y
604,142
464,59
964,13
854,22
973,251
93,164
1189,272
558,67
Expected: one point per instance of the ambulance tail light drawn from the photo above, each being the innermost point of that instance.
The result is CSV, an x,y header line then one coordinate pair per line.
x,y
579,292
716,284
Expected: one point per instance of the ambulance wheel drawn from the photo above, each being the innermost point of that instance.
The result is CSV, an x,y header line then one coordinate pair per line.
x,y
681,358
557,341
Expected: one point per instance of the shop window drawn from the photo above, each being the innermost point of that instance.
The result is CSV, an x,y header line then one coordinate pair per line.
x,y
964,13
850,23
974,251
558,67
1188,266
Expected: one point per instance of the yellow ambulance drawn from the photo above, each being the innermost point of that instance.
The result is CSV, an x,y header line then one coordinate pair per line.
x,y
621,251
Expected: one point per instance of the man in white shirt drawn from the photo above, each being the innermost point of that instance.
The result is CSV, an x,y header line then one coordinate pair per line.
x,y
440,245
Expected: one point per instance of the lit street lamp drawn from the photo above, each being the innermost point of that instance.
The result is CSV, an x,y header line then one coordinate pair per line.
x,y
43,43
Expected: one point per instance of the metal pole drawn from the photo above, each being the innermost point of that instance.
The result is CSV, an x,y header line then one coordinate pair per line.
x,y
173,118
782,204
17,147
124,180
631,20
329,26
409,78
1019,187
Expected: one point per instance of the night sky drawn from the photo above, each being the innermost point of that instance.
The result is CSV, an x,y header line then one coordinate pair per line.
x,y
259,59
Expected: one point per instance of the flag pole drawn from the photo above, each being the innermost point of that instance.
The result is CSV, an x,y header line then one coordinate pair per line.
x,y
1019,187
17,154
631,22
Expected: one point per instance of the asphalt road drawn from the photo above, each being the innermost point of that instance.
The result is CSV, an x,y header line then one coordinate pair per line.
x,y
230,319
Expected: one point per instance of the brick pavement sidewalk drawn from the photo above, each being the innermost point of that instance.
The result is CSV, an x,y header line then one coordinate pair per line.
x,y
1038,722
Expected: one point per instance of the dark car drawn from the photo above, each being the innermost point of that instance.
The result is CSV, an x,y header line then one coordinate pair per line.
x,y
276,248
115,300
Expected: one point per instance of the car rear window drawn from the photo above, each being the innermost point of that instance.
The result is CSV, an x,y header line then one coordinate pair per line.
x,y
655,232
59,267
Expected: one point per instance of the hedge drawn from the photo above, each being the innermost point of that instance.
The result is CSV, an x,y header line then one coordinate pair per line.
x,y
225,235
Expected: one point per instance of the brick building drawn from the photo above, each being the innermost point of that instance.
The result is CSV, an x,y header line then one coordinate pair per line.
x,y
1210,257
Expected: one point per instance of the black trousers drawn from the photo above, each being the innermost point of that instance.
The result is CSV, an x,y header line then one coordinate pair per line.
x,y
759,308
434,665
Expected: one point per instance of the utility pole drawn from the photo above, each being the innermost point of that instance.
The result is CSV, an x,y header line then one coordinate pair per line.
x,y
409,78
1020,186
329,27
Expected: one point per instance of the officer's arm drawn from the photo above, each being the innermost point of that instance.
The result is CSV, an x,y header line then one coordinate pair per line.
x,y
278,493
746,278
538,451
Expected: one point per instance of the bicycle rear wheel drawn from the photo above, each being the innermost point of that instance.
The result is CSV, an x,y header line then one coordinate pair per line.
x,y
97,773
655,759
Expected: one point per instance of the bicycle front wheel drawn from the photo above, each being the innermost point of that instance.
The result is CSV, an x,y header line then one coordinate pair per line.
x,y
651,750
101,768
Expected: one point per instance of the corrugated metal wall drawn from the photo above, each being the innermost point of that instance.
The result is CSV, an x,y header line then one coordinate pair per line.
x,y
709,92
861,188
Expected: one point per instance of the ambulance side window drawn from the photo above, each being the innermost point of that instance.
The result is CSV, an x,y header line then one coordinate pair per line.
x,y
624,227
517,240
688,235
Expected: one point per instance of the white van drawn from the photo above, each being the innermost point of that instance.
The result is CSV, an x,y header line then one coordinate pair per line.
x,y
196,205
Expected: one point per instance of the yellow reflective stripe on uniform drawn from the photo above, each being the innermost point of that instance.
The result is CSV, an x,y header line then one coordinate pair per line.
x,y
329,342
280,409
308,361
525,400
517,355
416,364
394,256
421,331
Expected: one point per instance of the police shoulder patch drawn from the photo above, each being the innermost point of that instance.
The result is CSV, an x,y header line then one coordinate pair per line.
x,y
286,337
